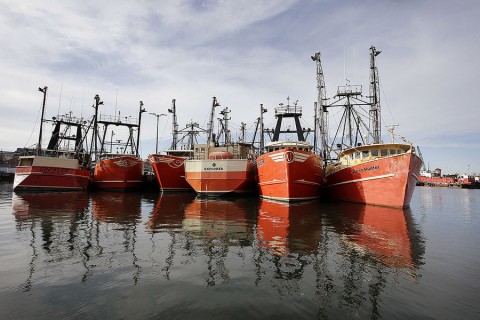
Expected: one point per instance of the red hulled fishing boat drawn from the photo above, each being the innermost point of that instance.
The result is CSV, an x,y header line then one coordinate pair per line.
x,y
289,170
169,167
123,169
364,171
63,165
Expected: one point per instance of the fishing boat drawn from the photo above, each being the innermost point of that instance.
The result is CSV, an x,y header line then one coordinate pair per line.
x,y
169,167
289,170
122,167
64,164
363,168
221,168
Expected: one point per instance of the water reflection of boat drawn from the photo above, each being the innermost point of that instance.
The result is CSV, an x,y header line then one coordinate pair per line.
x,y
216,226
50,222
30,205
117,207
284,227
228,219
125,209
169,211
379,232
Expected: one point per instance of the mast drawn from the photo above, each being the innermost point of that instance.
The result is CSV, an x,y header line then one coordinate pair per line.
x,y
227,138
39,145
95,126
243,127
210,128
262,129
375,115
174,126
142,110
321,109
190,132
288,111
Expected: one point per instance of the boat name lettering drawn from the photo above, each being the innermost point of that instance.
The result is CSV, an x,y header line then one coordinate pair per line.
x,y
53,170
366,169
260,163
213,168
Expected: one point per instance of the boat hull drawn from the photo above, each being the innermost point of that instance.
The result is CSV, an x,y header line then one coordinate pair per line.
x,y
289,175
170,172
217,177
388,181
49,173
124,172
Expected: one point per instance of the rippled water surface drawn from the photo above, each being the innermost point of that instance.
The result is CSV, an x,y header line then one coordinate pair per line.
x,y
111,255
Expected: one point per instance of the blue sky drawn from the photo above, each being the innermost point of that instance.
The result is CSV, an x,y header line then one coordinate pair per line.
x,y
244,53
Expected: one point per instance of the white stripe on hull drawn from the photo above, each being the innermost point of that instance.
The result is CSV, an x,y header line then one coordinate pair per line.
x,y
363,179
289,199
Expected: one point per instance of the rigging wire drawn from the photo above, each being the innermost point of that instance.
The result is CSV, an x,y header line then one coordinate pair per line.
x,y
33,129
388,106
60,99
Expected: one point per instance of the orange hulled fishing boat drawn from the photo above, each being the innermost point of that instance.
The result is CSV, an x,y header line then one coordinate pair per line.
x,y
221,168
289,170
363,168
118,164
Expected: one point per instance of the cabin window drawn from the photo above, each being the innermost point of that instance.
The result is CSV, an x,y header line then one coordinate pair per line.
x,y
375,153
25,162
392,151
399,151
202,150
365,154
384,152
357,155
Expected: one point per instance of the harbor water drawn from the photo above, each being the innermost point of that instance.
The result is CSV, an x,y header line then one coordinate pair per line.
x,y
132,255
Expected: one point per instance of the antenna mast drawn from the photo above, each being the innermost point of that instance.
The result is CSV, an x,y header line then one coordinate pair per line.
x,y
227,136
375,115
174,125
321,109
210,122
262,129
93,145
39,145
243,127
142,110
